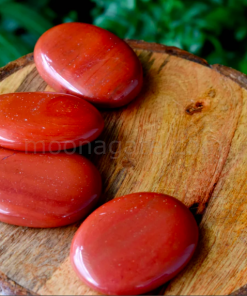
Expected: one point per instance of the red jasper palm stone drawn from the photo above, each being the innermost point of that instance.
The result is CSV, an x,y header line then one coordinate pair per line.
x,y
45,190
43,121
90,62
133,244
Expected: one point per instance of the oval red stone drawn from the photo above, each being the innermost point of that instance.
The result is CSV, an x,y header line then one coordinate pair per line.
x,y
45,190
91,62
134,244
43,121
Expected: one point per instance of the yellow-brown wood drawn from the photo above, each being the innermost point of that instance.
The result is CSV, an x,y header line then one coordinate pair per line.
x,y
185,136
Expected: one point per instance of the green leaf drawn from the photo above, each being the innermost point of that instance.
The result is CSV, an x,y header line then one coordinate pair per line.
x,y
220,15
194,11
112,24
216,43
241,33
28,40
129,4
220,2
215,58
12,48
37,4
5,1
26,17
9,25
243,66
71,17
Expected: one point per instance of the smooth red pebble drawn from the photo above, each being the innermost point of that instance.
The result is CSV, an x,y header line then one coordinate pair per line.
x,y
91,62
45,190
134,244
43,121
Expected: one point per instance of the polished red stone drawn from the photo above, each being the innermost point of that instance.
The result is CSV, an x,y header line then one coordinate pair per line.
x,y
43,121
134,244
91,62
45,190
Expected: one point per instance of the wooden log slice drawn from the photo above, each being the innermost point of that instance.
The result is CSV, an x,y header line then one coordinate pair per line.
x,y
185,135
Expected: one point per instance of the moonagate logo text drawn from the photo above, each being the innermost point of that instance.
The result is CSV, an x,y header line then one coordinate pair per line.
x,y
114,148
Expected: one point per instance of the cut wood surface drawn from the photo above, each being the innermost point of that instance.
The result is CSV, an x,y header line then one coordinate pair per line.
x,y
185,135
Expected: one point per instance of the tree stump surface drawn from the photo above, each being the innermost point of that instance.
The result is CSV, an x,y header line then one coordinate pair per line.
x,y
184,135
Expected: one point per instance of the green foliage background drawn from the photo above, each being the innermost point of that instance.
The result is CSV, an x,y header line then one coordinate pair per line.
x,y
213,29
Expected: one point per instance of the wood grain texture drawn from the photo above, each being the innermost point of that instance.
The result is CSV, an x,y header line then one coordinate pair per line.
x,y
171,50
220,265
9,287
241,291
183,136
166,135
16,65
233,74
31,256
